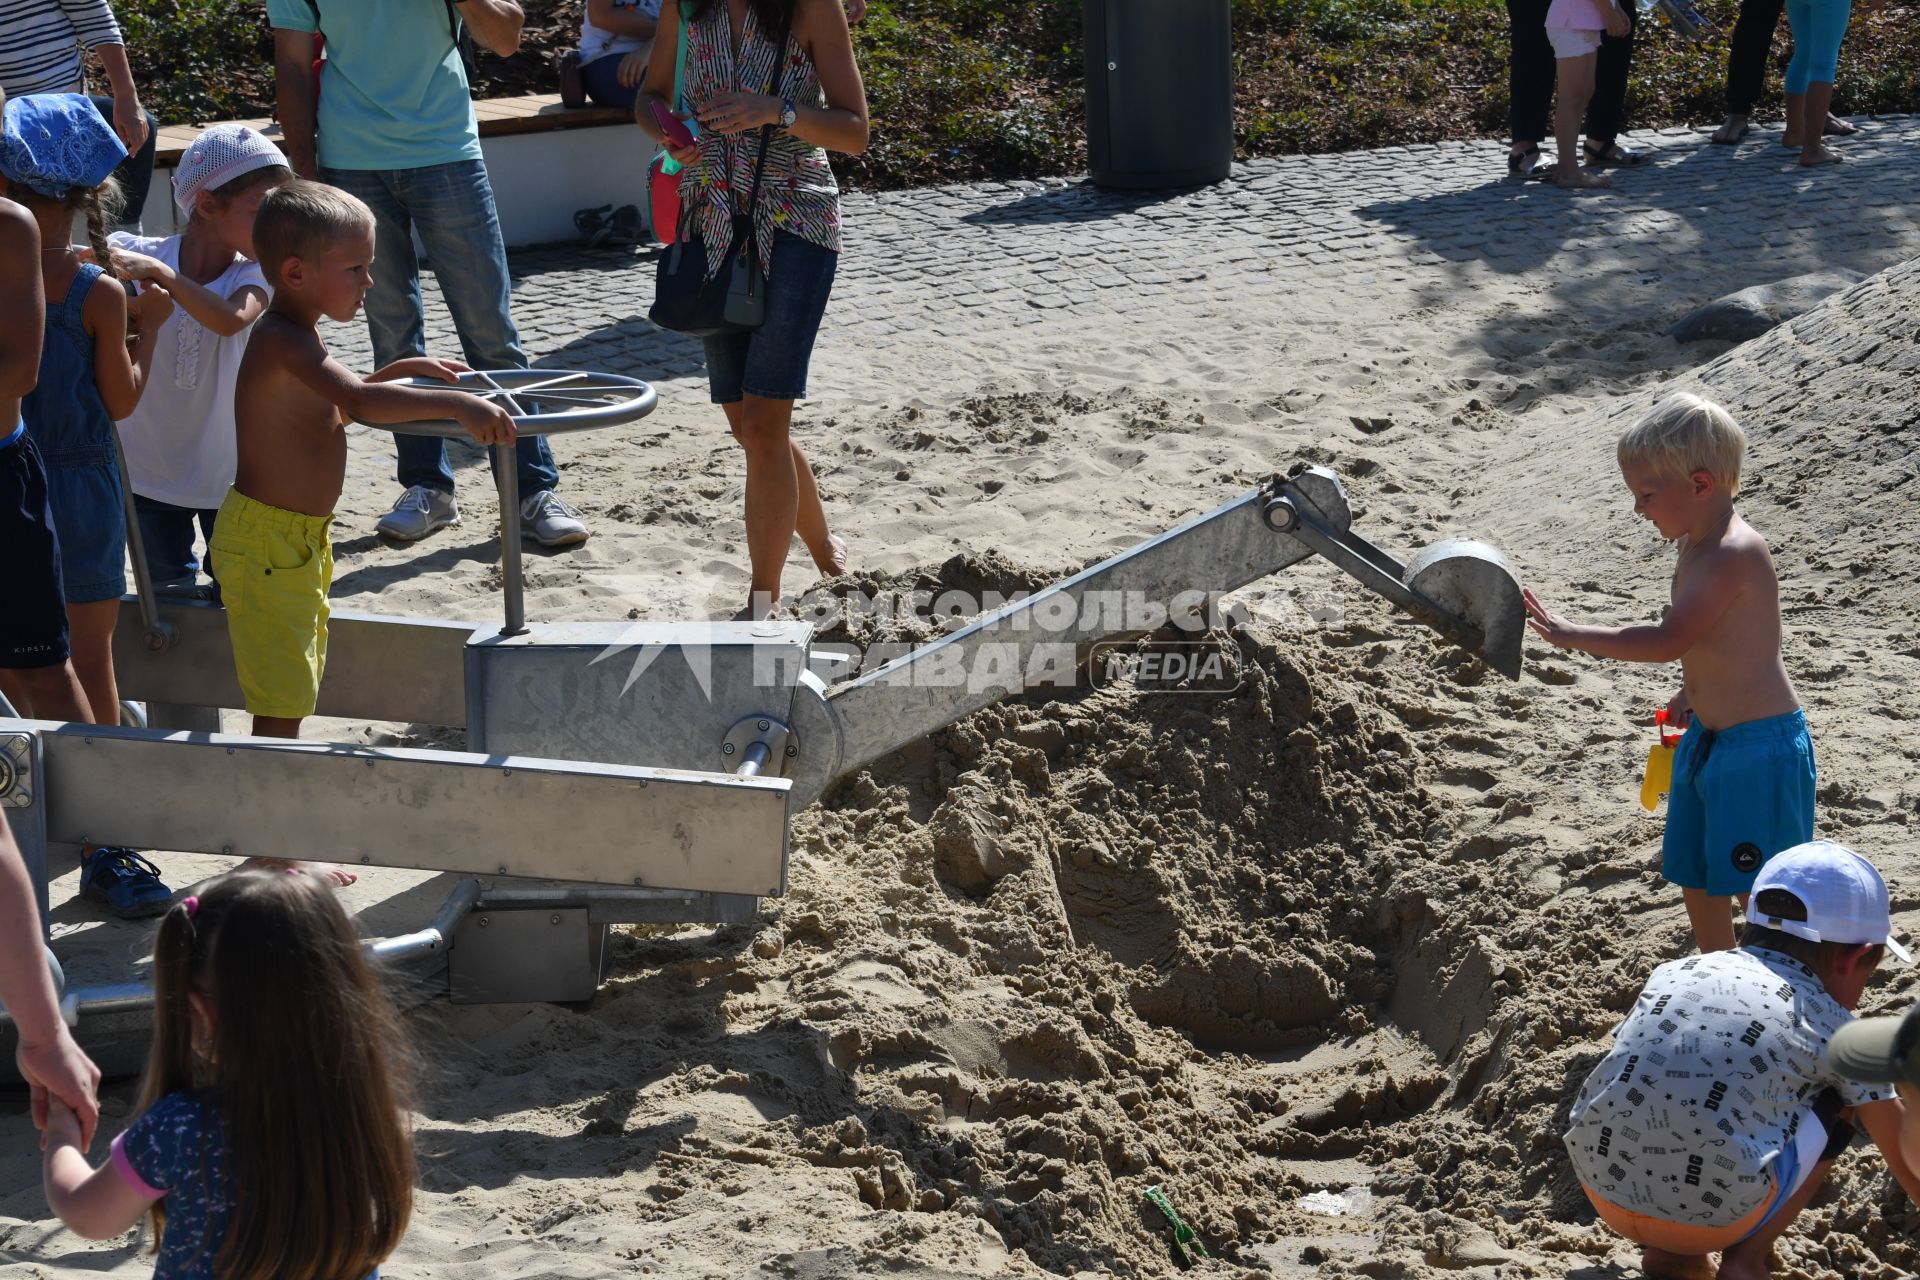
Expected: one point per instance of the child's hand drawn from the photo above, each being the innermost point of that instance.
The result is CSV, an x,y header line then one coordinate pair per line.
x,y
149,308
129,265
421,367
1550,626
633,68
486,421
1679,711
1617,24
63,1126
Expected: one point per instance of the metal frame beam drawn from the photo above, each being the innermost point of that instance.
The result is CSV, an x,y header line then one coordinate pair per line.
x,y
429,810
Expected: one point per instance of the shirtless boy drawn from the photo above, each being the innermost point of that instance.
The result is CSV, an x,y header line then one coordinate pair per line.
x,y
1743,777
291,406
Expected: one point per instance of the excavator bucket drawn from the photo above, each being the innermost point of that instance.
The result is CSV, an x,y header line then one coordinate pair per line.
x,y
1472,584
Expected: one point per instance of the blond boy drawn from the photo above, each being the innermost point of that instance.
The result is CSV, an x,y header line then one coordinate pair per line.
x,y
292,402
1744,775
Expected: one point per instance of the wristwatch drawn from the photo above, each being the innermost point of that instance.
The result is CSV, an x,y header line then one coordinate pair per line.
x,y
788,113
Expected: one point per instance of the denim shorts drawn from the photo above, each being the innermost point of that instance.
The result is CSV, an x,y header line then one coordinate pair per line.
x,y
771,362
91,517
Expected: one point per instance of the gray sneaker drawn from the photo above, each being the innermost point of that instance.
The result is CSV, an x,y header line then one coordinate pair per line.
x,y
418,513
551,522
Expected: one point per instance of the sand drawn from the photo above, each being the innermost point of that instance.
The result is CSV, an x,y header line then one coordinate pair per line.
x,y
1324,958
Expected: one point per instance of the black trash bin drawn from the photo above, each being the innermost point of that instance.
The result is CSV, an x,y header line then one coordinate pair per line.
x,y
1159,92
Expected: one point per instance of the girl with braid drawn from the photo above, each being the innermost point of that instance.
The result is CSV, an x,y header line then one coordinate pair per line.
x,y
57,155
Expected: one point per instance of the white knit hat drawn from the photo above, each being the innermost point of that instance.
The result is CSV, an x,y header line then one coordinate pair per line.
x,y
218,156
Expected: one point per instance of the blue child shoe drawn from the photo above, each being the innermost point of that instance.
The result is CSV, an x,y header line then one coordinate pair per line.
x,y
125,883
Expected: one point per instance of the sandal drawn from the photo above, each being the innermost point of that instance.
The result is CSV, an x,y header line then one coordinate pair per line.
x,y
1520,163
592,225
1614,156
625,226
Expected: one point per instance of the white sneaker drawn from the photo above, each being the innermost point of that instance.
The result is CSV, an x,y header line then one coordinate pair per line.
x,y
418,513
549,521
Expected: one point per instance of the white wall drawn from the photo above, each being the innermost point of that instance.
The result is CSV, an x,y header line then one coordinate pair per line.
x,y
539,179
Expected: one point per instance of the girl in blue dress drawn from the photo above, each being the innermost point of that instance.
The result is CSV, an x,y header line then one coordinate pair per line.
x,y
270,1142
57,156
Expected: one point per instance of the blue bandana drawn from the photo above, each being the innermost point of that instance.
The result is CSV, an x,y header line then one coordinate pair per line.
x,y
55,142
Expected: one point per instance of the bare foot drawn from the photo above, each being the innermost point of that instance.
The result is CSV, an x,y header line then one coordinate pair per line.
x,y
338,875
834,563
1661,1265
1791,139
1820,156
1747,1261
1838,128
1578,178
1732,131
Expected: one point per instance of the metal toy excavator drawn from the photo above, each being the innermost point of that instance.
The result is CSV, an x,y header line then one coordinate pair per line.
x,y
674,778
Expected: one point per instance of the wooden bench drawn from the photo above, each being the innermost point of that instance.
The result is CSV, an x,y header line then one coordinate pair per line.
x,y
537,184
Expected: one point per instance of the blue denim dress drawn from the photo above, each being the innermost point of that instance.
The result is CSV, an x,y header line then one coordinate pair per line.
x,y
70,427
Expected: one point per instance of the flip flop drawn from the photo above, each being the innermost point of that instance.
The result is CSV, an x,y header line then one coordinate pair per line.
x,y
1614,156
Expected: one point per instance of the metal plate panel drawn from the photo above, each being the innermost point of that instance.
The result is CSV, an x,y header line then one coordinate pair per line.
x,y
430,810
660,694
378,667
511,957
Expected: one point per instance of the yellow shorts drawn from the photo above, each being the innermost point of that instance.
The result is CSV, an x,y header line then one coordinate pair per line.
x,y
274,568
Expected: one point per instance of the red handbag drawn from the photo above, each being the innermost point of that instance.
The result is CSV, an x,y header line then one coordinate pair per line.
x,y
663,201
663,188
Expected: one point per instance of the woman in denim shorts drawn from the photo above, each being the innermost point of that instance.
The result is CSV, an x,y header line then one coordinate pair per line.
x,y
818,104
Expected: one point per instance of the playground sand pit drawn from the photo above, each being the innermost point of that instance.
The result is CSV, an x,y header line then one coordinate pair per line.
x,y
1323,958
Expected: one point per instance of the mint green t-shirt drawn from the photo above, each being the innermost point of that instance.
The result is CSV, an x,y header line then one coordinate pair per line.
x,y
393,94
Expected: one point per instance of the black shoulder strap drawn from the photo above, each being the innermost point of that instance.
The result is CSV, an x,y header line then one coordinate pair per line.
x,y
774,81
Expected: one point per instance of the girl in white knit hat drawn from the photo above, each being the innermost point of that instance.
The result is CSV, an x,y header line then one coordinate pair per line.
x,y
179,442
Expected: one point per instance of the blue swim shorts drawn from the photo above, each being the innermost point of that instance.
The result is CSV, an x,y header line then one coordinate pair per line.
x,y
33,608
1740,795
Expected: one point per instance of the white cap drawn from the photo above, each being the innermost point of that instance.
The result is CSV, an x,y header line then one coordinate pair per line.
x,y
219,155
1844,897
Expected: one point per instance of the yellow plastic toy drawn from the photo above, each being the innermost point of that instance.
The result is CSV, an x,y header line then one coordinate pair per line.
x,y
1658,779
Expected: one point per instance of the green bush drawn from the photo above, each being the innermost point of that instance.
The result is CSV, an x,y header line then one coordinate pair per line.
x,y
198,60
964,89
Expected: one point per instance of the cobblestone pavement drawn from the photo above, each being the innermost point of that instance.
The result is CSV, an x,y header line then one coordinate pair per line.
x,y
1008,278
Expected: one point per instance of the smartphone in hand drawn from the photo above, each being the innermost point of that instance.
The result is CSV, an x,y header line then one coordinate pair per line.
x,y
673,128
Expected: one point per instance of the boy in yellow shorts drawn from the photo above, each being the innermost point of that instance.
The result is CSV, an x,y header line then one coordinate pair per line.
x,y
291,406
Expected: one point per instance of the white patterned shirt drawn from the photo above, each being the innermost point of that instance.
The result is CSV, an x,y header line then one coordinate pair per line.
x,y
1709,1079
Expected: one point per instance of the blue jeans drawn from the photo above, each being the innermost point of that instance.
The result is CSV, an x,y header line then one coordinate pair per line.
x,y
602,77
451,206
166,534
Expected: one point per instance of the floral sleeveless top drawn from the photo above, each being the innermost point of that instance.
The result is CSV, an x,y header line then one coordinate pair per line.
x,y
798,194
